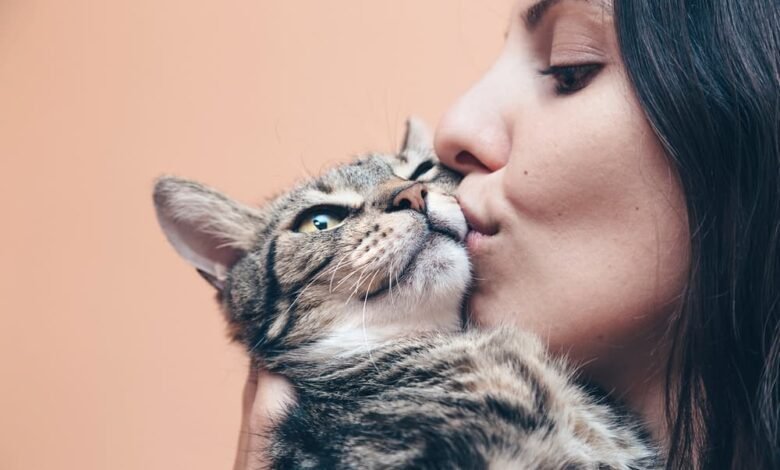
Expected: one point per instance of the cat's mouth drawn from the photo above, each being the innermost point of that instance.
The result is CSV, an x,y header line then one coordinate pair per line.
x,y
448,232
397,281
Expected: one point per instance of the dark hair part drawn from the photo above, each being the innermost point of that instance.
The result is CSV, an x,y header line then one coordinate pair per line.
x,y
707,73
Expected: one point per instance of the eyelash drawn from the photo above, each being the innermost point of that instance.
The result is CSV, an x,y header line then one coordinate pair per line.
x,y
581,75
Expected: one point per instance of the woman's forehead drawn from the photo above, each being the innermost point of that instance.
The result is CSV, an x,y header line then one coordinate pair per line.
x,y
529,15
532,12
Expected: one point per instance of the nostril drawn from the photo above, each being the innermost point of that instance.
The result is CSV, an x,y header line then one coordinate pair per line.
x,y
412,197
468,159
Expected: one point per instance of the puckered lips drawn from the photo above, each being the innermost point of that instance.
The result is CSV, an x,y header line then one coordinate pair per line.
x,y
480,228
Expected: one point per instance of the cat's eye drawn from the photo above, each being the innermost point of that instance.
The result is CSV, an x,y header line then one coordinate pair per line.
x,y
421,169
320,219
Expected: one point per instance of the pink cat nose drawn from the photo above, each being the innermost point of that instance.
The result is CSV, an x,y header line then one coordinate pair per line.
x,y
412,197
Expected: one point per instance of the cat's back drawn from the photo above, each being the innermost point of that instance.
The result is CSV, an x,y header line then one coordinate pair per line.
x,y
491,399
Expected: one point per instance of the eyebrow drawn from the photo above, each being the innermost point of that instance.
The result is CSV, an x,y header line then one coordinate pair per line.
x,y
535,13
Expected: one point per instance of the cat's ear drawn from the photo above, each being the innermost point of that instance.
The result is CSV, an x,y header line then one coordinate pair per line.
x,y
416,157
206,228
418,137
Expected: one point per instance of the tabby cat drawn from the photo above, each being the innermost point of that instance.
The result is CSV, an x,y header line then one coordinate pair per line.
x,y
351,286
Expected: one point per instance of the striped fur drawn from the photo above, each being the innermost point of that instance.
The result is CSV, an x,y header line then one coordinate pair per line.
x,y
365,321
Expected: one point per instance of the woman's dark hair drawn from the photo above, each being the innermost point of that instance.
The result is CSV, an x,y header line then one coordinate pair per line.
x,y
707,73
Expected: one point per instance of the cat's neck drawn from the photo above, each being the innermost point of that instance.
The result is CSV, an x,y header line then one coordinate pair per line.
x,y
356,329
347,346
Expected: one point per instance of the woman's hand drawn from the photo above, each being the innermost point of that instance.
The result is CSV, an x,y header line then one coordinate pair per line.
x,y
267,397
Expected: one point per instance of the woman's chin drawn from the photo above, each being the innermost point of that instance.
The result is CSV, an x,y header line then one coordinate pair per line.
x,y
478,313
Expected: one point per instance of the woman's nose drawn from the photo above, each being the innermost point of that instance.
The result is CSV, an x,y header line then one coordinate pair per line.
x,y
474,134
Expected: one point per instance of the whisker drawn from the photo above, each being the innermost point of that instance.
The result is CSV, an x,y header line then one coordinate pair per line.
x,y
349,275
330,286
365,334
397,282
390,285
357,284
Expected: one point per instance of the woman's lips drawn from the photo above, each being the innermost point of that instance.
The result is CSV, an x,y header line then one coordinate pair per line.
x,y
475,223
479,230
475,241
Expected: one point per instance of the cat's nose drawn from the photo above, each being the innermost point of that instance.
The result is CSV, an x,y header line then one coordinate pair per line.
x,y
411,197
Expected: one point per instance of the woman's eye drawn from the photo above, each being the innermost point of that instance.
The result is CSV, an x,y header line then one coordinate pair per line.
x,y
319,221
572,78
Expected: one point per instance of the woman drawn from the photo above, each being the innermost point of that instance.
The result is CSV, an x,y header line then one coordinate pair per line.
x,y
623,183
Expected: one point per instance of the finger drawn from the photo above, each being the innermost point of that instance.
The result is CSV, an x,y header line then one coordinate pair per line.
x,y
248,399
274,396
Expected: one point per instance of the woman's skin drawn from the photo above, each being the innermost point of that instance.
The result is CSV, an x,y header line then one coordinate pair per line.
x,y
579,225
588,242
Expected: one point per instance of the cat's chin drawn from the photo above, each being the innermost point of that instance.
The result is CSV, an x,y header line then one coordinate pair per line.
x,y
427,297
439,266
440,272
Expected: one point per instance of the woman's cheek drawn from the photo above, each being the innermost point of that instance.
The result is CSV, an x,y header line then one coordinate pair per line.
x,y
589,157
558,187
599,225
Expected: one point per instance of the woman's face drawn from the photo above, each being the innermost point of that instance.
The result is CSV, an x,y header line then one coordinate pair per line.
x,y
579,223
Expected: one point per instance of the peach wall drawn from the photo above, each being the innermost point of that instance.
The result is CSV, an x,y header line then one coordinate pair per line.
x,y
112,352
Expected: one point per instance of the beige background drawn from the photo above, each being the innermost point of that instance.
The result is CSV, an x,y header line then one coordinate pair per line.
x,y
112,352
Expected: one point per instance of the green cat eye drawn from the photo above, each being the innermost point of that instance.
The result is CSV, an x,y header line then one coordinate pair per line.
x,y
320,220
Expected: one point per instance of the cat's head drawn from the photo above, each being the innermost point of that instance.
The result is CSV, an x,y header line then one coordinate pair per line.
x,y
369,251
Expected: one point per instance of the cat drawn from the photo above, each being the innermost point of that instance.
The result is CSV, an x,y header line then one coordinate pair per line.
x,y
352,285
